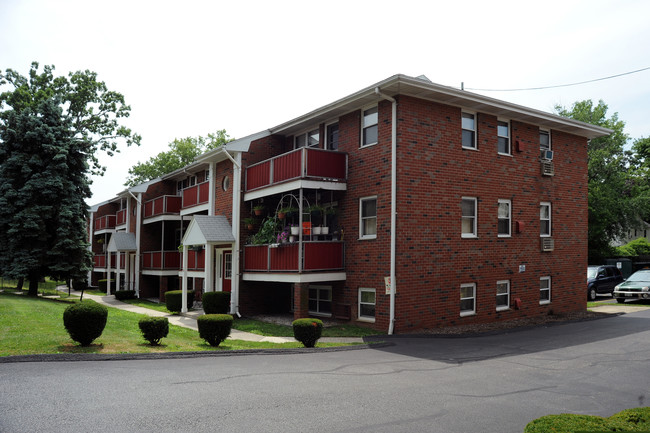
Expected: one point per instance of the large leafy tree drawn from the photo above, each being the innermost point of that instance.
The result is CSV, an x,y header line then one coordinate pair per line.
x,y
51,129
618,193
181,153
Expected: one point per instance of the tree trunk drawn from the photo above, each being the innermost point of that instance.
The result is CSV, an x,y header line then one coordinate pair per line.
x,y
33,286
19,284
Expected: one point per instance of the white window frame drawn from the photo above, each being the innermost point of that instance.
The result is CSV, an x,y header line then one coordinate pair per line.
x,y
550,231
471,312
474,131
474,233
502,283
542,289
547,132
318,289
364,126
328,144
509,234
507,137
360,317
306,135
362,218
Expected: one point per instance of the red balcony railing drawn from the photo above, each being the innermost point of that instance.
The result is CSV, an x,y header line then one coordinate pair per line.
x,y
161,260
317,256
196,195
105,222
100,260
164,205
195,260
120,217
299,163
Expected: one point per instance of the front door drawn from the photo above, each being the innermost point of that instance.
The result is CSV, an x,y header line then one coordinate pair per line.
x,y
226,270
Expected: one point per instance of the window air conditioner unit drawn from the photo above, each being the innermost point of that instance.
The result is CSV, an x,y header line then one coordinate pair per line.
x,y
547,168
548,244
546,155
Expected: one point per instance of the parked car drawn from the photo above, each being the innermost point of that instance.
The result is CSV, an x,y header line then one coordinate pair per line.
x,y
602,279
637,286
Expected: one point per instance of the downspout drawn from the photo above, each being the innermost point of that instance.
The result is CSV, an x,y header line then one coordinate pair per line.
x,y
393,207
236,215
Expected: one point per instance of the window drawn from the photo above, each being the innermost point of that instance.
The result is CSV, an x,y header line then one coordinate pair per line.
x,y
367,304
545,290
320,300
504,218
503,295
370,127
225,183
544,140
503,133
308,139
468,218
469,130
545,219
368,217
186,183
227,264
467,299
332,136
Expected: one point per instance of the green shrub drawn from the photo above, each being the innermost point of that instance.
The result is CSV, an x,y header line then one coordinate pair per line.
x,y
307,331
102,285
122,295
174,299
214,328
154,329
216,302
85,321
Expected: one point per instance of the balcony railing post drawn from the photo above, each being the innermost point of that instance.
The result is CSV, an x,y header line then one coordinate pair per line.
x,y
271,170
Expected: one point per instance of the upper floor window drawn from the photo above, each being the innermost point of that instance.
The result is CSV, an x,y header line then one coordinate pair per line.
x,y
368,218
503,133
544,140
307,139
186,183
468,217
332,136
469,130
545,219
504,218
370,127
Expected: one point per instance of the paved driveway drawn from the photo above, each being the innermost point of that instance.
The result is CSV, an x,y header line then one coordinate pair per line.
x,y
484,384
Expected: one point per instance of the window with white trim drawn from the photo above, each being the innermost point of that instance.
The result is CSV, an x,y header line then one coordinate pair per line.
x,y
467,299
370,126
503,137
544,219
367,300
545,290
320,300
503,295
544,139
368,218
469,130
332,136
307,139
504,217
468,217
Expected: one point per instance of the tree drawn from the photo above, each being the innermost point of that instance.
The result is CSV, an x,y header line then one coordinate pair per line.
x,y
181,153
50,131
618,193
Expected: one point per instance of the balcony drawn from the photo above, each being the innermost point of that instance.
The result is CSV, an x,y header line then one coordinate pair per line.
x,y
161,260
164,205
120,217
106,222
304,163
196,195
195,260
317,256
100,261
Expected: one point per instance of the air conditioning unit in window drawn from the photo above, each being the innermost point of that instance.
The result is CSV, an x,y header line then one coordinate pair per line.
x,y
546,155
547,168
548,244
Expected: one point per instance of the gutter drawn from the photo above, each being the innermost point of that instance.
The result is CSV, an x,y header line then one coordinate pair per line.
x,y
393,207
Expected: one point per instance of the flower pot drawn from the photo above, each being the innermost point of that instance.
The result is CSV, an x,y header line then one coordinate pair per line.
x,y
292,238
281,215
295,231
250,227
325,230
316,230
258,212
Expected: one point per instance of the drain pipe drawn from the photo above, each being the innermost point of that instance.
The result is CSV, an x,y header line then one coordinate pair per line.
x,y
393,206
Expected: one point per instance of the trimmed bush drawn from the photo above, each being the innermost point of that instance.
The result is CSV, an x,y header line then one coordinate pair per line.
x,y
214,328
307,331
216,302
122,295
174,299
85,321
154,329
102,285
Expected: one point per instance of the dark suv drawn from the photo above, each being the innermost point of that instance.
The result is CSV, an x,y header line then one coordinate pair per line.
x,y
602,279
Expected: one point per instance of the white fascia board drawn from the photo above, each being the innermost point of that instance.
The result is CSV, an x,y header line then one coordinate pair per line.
x,y
319,277
158,272
293,185
161,218
195,209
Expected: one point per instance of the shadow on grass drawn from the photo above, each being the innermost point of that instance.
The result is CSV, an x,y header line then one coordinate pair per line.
x,y
77,348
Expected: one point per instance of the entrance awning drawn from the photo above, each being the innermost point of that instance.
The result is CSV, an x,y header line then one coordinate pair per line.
x,y
121,242
208,229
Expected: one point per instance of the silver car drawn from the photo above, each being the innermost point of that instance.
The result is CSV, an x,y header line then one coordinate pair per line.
x,y
637,286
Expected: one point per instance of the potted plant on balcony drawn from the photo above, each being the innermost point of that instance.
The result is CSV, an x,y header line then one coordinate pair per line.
x,y
258,209
283,212
267,233
316,212
249,223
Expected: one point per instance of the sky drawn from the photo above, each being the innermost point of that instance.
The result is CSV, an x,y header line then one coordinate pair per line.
x,y
193,67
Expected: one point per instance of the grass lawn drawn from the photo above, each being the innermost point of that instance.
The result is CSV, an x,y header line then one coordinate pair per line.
x,y
35,325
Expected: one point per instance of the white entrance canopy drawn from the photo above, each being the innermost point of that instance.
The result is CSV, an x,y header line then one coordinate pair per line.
x,y
208,229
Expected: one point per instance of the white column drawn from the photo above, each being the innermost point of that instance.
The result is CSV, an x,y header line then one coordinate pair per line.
x,y
184,282
236,218
212,188
118,275
91,228
108,269
209,269
138,230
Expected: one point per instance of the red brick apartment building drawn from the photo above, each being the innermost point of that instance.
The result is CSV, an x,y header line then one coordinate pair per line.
x,y
413,205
